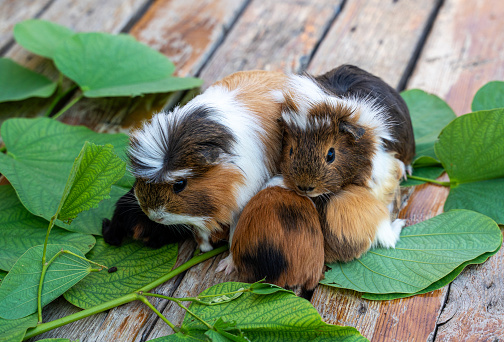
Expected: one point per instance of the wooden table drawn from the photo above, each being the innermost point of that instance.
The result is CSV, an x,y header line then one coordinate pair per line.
x,y
449,48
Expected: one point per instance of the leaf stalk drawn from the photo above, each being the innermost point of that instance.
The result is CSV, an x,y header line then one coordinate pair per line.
x,y
448,184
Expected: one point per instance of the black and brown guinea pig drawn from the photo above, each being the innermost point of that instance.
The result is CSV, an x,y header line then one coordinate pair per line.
x,y
278,237
197,166
348,140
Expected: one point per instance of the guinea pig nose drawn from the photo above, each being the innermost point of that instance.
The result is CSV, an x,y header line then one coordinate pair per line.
x,y
305,188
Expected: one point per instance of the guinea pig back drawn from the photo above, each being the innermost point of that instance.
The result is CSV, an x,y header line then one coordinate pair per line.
x,y
278,237
197,166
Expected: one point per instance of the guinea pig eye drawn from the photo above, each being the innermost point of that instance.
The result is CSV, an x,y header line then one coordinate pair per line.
x,y
330,156
290,152
180,185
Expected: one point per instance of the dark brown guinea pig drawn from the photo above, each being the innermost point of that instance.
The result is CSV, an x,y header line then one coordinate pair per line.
x,y
278,237
343,130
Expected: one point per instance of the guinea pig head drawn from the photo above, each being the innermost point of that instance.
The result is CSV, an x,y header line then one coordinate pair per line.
x,y
180,160
324,148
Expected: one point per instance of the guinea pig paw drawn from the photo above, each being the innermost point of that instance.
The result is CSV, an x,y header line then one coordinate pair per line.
x,y
205,247
398,225
226,265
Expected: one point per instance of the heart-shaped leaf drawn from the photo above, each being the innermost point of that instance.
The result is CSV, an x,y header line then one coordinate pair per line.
x,y
19,83
280,316
471,150
429,115
490,96
121,66
136,265
425,253
20,230
13,330
18,291
40,36
40,156
93,173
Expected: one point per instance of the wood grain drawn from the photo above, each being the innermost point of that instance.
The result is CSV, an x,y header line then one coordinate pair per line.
x,y
14,11
272,35
464,51
378,36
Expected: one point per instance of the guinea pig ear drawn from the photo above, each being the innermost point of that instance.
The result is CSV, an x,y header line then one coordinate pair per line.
x,y
356,132
210,155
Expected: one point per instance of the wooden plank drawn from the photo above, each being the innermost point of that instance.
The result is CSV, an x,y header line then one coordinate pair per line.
x,y
125,323
14,11
272,35
463,52
186,32
93,15
378,36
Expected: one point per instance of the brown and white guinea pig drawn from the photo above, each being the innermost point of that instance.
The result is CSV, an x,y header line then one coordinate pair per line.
x,y
278,237
197,166
344,130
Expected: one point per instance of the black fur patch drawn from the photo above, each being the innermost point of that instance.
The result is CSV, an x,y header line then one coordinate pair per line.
x,y
292,219
265,261
195,142
128,215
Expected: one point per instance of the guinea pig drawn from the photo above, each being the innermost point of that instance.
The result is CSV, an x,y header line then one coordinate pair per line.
x,y
278,237
197,166
343,130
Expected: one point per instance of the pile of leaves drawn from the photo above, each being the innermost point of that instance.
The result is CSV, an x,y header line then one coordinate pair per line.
x,y
65,179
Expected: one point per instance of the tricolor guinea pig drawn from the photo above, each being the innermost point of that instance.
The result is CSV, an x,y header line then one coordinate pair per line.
x,y
278,237
197,166
348,139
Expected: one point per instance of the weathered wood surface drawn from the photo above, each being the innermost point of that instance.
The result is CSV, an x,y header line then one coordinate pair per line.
x,y
14,11
463,52
381,37
272,35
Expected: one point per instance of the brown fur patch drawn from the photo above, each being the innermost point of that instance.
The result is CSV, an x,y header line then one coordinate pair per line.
x,y
350,221
279,236
254,93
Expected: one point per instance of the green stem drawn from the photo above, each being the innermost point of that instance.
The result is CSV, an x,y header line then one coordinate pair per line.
x,y
85,259
44,269
58,98
44,327
430,180
70,104
153,308
183,267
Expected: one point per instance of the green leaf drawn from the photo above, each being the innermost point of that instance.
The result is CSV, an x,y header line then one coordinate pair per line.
x,y
19,83
280,316
40,36
490,96
425,253
2,275
18,291
434,286
471,150
20,230
431,172
55,340
90,181
429,115
121,66
13,330
41,153
136,264
226,331
265,288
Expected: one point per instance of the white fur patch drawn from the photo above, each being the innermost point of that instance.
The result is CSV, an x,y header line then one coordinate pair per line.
x,y
275,181
388,233
166,218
